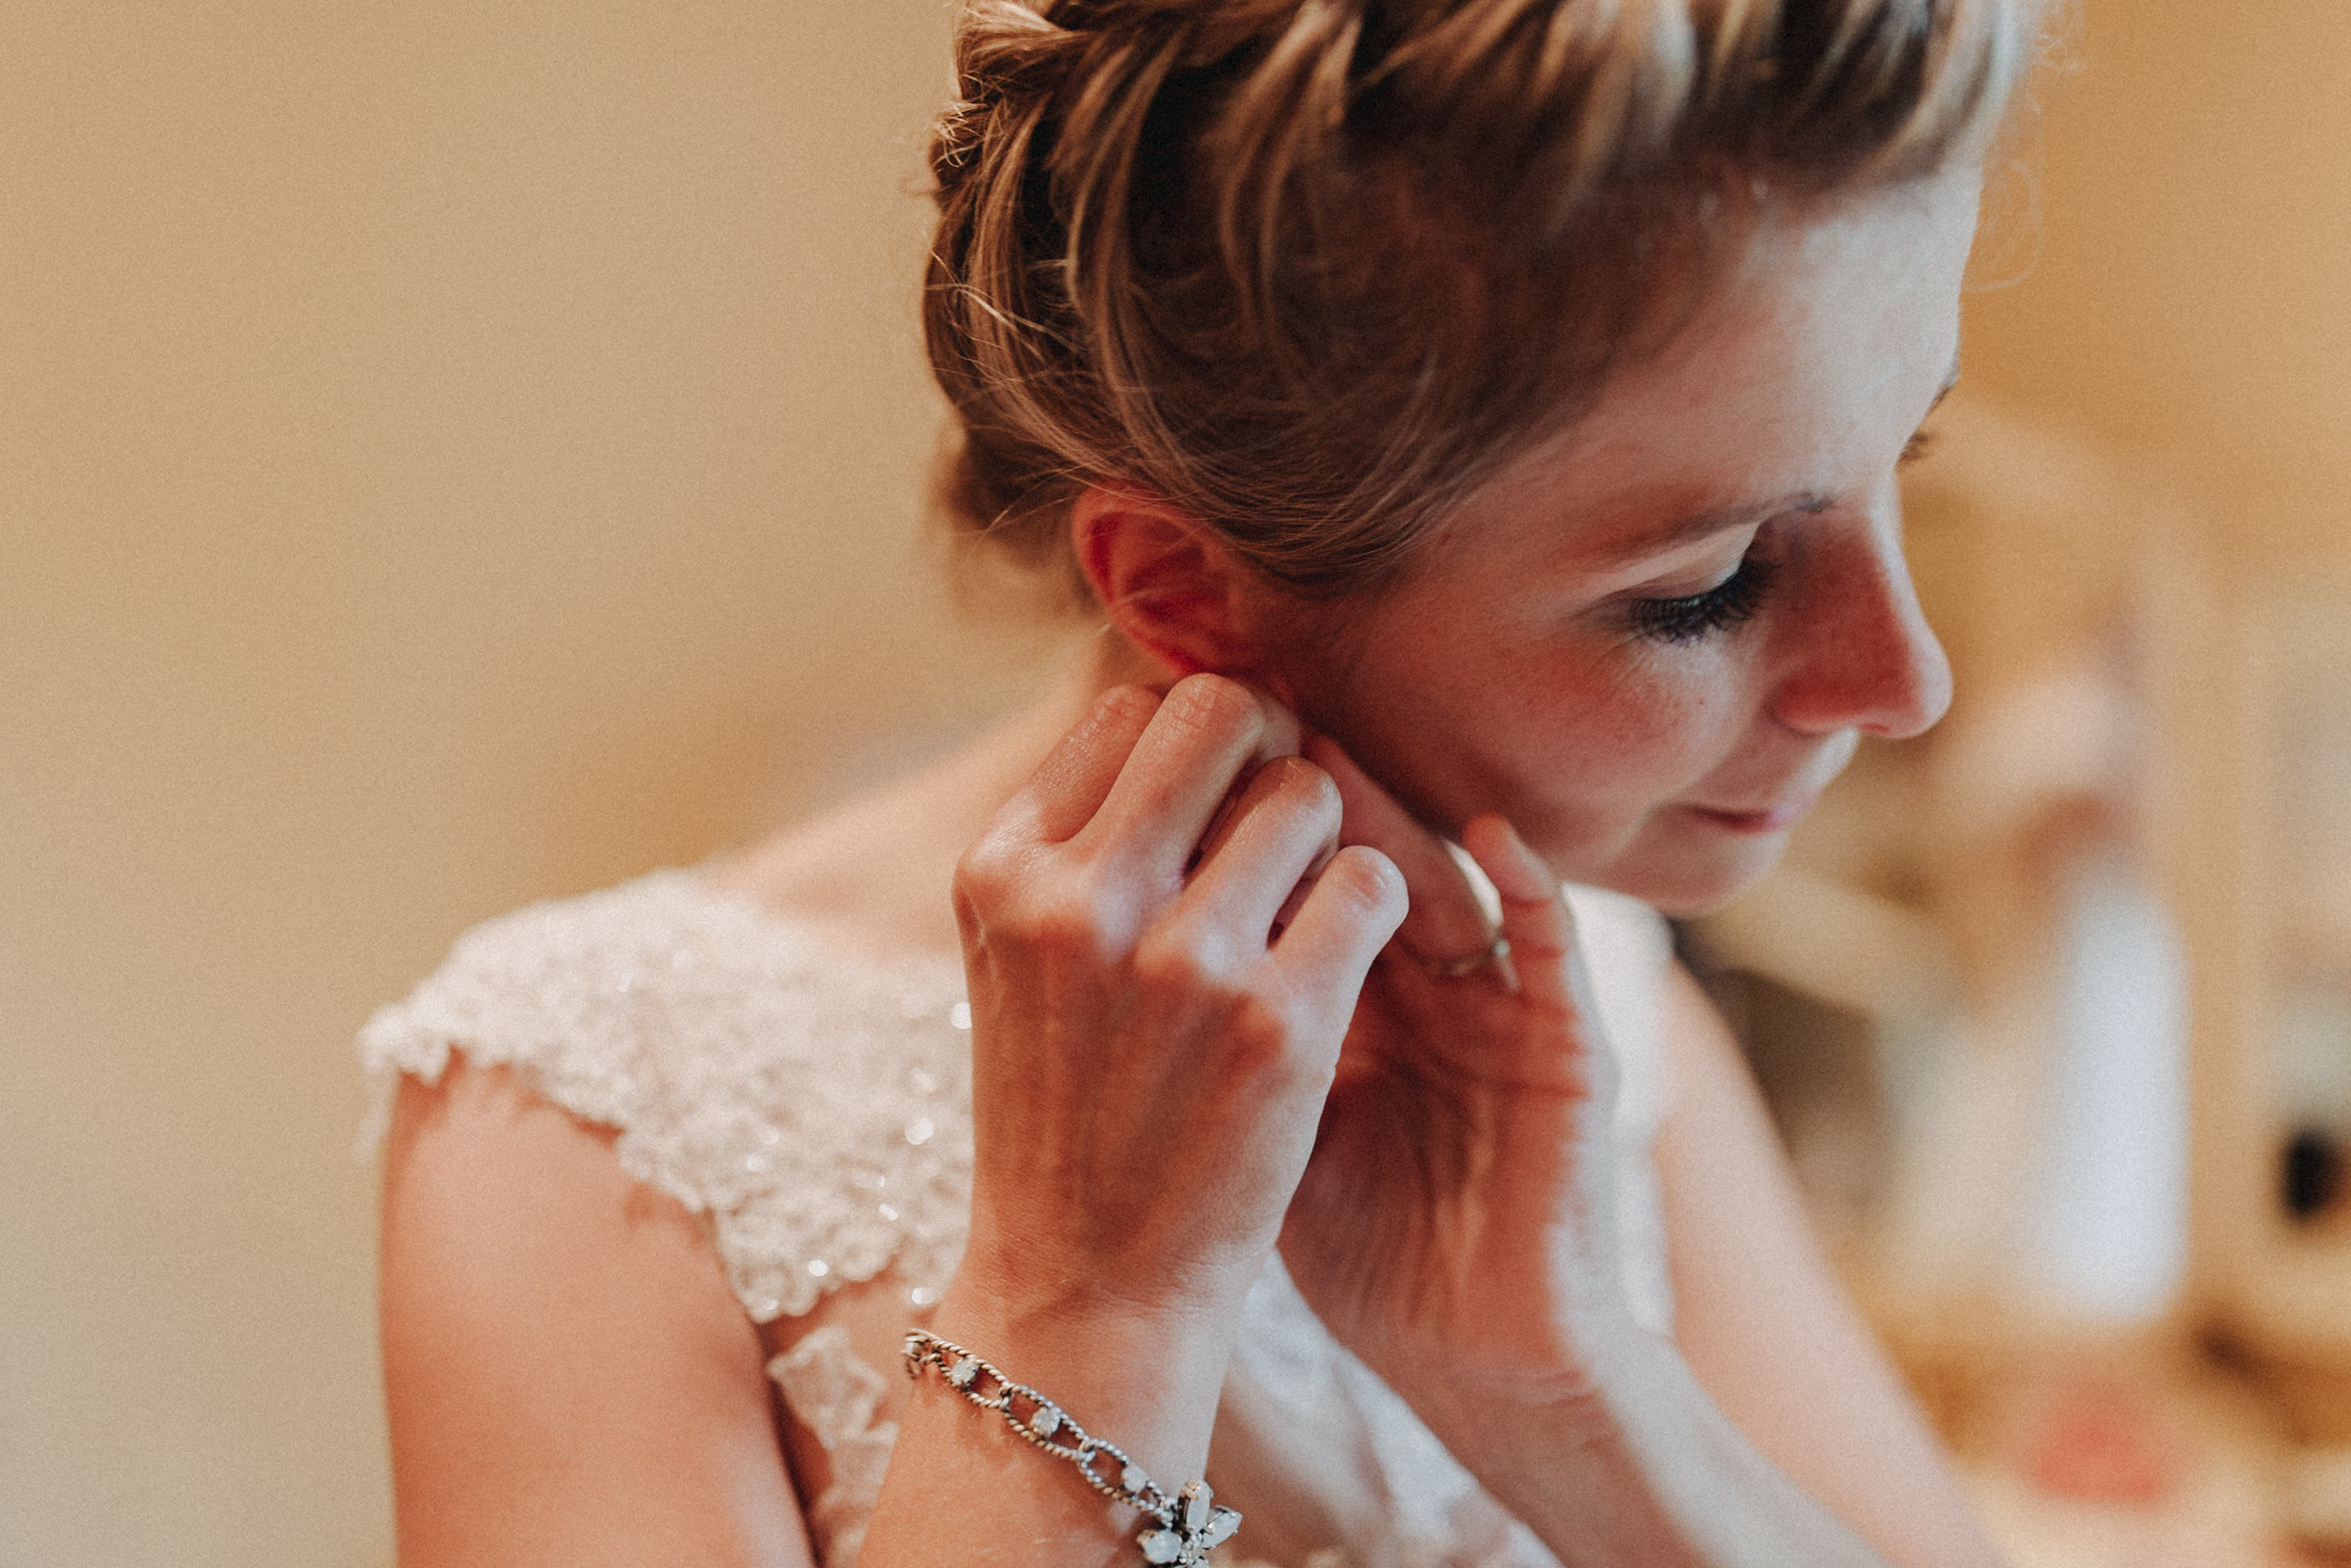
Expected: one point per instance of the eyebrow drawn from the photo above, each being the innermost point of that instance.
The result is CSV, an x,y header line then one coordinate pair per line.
x,y
1714,520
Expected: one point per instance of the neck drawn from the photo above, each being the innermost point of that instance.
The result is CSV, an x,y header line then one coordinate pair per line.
x,y
971,784
874,872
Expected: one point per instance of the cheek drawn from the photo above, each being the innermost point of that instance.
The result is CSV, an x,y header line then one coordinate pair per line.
x,y
1638,727
1575,739
1668,723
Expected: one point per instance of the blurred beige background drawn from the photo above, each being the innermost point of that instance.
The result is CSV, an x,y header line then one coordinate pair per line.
x,y
454,454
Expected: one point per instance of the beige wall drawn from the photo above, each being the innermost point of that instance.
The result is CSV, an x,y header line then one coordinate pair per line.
x,y
2186,288
450,454
2188,304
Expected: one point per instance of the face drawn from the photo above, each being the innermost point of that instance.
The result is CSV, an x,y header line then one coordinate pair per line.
x,y
1652,642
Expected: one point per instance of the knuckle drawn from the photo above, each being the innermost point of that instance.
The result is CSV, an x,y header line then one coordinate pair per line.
x,y
1261,1031
982,874
1185,961
1068,927
1214,705
1270,1043
1306,786
1126,705
1038,906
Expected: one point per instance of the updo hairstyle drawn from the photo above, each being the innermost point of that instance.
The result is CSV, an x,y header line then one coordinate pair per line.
x,y
1308,270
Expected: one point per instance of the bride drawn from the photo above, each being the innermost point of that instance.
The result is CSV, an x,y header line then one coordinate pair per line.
x,y
1474,425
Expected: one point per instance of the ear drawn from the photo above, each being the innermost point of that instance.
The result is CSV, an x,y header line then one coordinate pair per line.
x,y
1171,588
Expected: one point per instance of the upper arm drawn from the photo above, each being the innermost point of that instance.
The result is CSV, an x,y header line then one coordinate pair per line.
x,y
567,1377
1762,1322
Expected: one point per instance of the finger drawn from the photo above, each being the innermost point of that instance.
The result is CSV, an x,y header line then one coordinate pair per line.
x,y
1282,738
1207,731
1299,893
1070,786
1282,829
1354,910
1536,920
1446,919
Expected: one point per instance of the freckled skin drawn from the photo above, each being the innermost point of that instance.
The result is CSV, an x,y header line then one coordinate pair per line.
x,y
1505,674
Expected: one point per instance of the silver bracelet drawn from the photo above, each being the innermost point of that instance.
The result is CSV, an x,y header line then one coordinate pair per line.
x,y
1187,1525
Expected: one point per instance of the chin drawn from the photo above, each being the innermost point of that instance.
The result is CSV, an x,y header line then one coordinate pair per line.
x,y
1681,880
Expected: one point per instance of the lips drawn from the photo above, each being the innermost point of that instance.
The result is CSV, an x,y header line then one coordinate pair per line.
x,y
1771,820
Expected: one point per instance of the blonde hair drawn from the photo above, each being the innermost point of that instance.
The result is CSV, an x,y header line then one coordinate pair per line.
x,y
1309,269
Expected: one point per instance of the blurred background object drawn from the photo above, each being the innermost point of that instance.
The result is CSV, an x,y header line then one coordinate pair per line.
x,y
2054,1003
453,455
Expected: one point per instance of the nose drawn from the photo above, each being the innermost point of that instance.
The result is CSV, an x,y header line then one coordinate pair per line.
x,y
1865,657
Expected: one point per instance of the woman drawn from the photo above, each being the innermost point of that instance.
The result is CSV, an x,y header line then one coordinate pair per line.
x,y
1472,420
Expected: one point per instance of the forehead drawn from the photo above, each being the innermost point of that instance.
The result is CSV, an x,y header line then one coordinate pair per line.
x,y
1801,374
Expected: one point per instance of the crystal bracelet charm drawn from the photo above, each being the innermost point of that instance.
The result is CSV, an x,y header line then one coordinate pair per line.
x,y
1183,1530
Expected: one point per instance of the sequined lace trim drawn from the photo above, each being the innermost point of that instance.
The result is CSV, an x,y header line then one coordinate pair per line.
x,y
815,1108
829,1389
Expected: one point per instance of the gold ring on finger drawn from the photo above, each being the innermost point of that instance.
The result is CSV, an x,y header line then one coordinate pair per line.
x,y
1467,963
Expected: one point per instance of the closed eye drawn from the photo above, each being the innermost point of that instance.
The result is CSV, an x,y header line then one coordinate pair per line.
x,y
1922,439
1729,603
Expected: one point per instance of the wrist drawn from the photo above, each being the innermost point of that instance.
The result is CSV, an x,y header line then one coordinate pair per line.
x,y
1144,1374
1107,1374
1569,1373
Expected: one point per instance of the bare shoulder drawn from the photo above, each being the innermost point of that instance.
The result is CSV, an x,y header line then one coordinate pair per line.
x,y
568,1377
479,1158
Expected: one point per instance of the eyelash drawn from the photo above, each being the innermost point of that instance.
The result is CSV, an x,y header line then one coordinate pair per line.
x,y
1731,603
1734,602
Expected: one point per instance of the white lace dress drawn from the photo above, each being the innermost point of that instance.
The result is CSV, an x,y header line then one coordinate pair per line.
x,y
815,1109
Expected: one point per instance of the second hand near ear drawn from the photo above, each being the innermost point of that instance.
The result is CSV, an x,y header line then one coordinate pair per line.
x,y
1454,1227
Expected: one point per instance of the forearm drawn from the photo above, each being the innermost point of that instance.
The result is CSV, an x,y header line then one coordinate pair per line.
x,y
1634,1467
963,1488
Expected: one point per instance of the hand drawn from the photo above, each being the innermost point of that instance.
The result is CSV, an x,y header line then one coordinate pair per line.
x,y
1456,1225
1160,983
1164,943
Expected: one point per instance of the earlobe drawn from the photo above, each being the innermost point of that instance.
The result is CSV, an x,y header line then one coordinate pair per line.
x,y
1169,586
